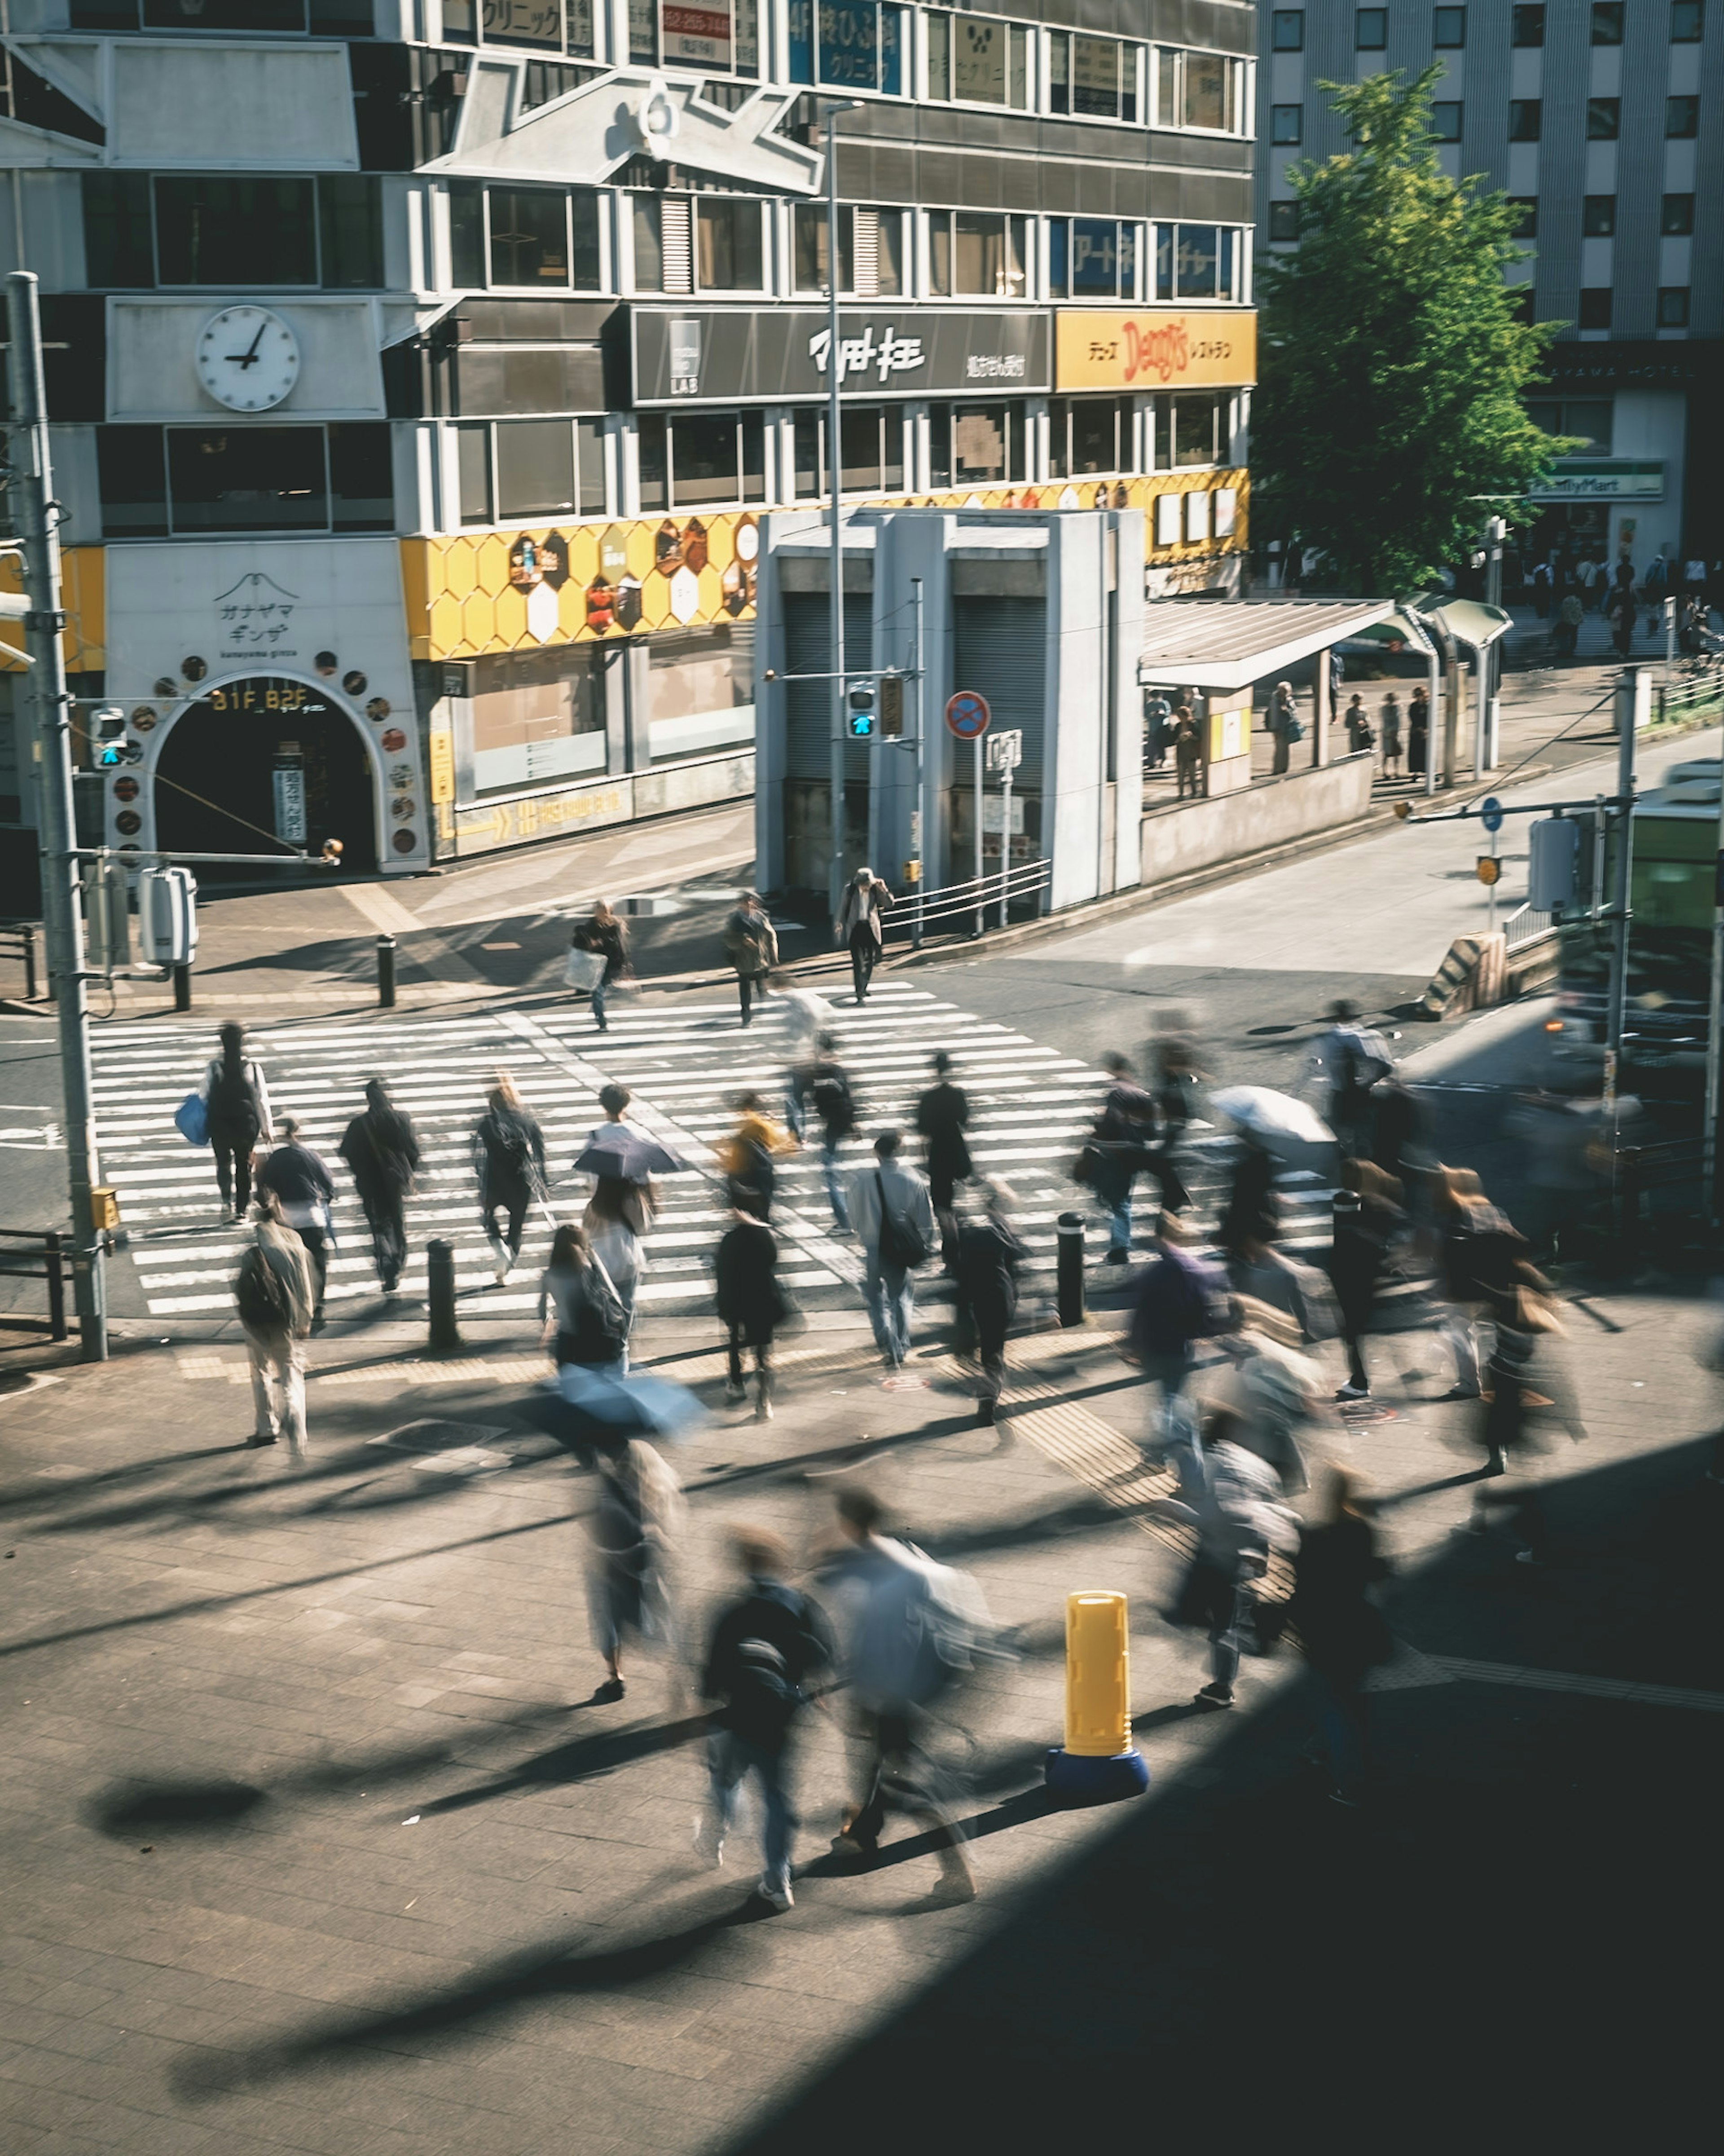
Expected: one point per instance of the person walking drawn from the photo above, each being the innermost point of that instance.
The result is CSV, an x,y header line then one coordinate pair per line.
x,y
634,1530
764,1648
1347,1060
893,1217
942,1115
382,1151
1179,1300
1480,1251
986,1260
1233,1503
1418,732
1360,735
861,925
1158,729
750,1304
1369,1225
806,1016
1283,723
900,1650
1188,755
580,1314
834,1105
237,1103
1543,580
1566,635
604,933
751,944
509,1160
301,1185
1344,1634
748,1156
1619,608
1587,571
273,1295
1388,719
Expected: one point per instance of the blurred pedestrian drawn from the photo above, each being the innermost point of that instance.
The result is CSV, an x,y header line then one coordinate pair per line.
x,y
1235,1506
765,1647
751,943
1556,1136
1400,1140
509,1160
1343,1632
832,1105
1158,729
1360,735
580,1314
1257,1269
1283,723
1418,732
619,1215
902,1648
806,1016
1570,614
1346,1060
608,935
274,1296
634,1530
893,1218
304,1192
1251,1200
942,1115
1269,1390
861,925
748,1154
1619,609
1481,1251
1179,1300
1370,1228
1188,755
382,1150
750,1305
236,1103
1388,719
986,1260
1120,1147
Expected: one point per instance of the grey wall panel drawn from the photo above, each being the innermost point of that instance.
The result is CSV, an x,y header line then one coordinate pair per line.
x,y
1562,163
1640,187
1706,256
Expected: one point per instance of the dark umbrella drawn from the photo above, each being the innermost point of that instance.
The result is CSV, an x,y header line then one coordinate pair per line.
x,y
628,1155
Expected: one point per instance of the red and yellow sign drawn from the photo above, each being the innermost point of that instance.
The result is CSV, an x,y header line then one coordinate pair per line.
x,y
1155,348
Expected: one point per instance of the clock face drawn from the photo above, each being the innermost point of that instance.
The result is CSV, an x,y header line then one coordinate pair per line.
x,y
248,358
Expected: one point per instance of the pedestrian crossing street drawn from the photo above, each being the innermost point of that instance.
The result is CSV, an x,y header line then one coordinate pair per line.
x,y
685,1061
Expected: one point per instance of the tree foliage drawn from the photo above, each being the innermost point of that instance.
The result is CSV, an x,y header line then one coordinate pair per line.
x,y
1394,363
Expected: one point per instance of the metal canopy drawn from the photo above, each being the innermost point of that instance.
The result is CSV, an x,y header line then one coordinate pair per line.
x,y
1230,644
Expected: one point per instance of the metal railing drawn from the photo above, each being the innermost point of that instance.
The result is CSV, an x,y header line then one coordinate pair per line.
x,y
946,909
43,1257
22,939
1526,925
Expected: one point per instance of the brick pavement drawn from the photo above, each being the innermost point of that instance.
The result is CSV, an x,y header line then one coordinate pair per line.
x,y
317,1841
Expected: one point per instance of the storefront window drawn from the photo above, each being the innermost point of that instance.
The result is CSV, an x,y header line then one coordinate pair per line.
x,y
1088,435
540,26
536,468
870,242
976,444
974,60
727,243
701,691
1197,430
696,459
537,716
1200,89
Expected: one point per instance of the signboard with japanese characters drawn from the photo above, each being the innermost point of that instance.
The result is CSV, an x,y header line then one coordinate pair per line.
x,y
1155,348
755,356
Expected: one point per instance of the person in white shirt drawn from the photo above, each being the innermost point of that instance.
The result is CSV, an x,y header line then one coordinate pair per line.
x,y
806,1017
892,1216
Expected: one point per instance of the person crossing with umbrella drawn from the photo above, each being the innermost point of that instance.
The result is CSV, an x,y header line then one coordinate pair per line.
x,y
622,1160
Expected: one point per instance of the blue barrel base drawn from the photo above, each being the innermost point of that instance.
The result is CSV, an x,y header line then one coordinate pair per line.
x,y
1082,1780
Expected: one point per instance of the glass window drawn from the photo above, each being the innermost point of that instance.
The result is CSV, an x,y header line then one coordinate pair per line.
x,y
1606,22
537,716
1591,419
939,40
1370,29
529,236
1092,258
466,235
889,252
1449,28
1209,97
1682,116
988,61
984,452
939,253
1526,119
976,253
1673,307
1196,261
807,233
118,250
1597,217
350,229
1195,430
1595,307
361,477
808,470
1527,26
643,32
133,480
1525,210
245,232
1100,443
1677,217
545,26
648,249
1095,77
1287,29
704,467
650,438
223,15
1445,120
855,44
859,432
1286,123
473,464
1603,119
727,243
1283,220
1688,20
248,479
536,468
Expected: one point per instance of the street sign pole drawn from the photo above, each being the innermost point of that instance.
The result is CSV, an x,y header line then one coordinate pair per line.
x,y
830,109
1005,839
923,824
980,922
32,490
967,719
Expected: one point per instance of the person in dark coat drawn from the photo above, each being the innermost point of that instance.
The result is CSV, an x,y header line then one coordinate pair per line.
x,y
237,1103
1418,732
986,1259
1343,1632
1368,1218
1252,1198
582,1316
750,1304
382,1152
604,933
300,1184
942,1114
508,1158
826,1091
751,943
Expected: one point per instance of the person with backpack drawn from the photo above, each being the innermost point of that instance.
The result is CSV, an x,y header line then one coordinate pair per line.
x,y
750,1304
751,943
986,1258
301,1187
1348,1059
582,1316
942,1115
274,1296
382,1151
604,933
907,1626
236,1102
764,1648
1233,1500
893,1217
826,1087
508,1159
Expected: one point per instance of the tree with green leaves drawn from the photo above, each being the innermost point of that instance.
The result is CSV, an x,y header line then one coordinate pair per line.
x,y
1389,421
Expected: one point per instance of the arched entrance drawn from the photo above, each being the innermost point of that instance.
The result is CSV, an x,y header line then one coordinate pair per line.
x,y
266,755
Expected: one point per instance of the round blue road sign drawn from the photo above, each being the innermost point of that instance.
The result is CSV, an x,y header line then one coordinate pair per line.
x,y
967,715
1491,813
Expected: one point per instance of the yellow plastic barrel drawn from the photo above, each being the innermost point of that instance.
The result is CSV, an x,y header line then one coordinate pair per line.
x,y
1098,1676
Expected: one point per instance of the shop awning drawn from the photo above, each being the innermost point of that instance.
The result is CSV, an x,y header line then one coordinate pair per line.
x,y
1229,645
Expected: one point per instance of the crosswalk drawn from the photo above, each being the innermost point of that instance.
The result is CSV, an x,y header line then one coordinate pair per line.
x,y
685,1059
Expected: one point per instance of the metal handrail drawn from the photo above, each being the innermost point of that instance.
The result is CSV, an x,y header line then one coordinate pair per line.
x,y
50,1250
1526,925
974,896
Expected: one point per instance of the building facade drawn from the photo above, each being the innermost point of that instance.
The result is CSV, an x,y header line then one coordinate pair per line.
x,y
420,370
1604,120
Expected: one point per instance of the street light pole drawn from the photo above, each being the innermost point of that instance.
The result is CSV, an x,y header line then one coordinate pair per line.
x,y
830,108
31,484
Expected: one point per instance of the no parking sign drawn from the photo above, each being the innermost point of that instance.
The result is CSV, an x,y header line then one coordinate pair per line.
x,y
967,715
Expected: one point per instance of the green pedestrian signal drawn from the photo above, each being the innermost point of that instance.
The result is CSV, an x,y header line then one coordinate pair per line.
x,y
861,712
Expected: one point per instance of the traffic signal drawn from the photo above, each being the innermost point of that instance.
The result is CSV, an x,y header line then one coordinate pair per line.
x,y
891,705
861,719
110,738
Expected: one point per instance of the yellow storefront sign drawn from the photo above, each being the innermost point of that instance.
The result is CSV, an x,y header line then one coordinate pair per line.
x,y
1155,348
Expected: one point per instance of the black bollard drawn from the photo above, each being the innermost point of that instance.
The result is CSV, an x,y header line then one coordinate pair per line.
x,y
445,1334
385,972
1069,1267
183,988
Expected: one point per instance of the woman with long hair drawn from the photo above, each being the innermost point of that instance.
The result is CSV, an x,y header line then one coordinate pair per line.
x,y
236,1103
579,1309
634,1529
382,1151
603,932
508,1158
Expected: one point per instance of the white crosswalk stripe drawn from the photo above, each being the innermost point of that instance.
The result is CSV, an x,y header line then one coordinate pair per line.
x,y
685,1062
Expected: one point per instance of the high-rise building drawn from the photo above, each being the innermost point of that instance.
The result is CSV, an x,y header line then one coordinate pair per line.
x,y
420,369
1603,119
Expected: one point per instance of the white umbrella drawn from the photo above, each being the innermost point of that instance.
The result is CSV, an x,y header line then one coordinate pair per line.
x,y
1281,1125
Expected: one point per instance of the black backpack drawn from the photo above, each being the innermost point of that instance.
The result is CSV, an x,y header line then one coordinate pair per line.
x,y
261,1293
833,1101
901,1242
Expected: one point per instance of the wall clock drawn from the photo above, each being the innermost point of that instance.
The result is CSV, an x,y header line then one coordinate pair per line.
x,y
248,358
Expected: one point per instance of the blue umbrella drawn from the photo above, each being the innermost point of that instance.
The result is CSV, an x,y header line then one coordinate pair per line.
x,y
629,1156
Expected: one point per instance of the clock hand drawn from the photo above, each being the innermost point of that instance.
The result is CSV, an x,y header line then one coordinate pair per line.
x,y
246,357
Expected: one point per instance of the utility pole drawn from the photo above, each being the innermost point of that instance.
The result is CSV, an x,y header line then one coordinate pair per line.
x,y
1715,1022
1491,690
922,827
31,486
830,108
1628,699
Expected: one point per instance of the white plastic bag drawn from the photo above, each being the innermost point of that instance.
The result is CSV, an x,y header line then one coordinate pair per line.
x,y
584,969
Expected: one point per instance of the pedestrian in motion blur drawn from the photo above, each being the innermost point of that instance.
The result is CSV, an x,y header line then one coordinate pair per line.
x,y
861,924
508,1159
237,1101
1283,723
751,943
1188,755
605,934
1388,721
624,1203
634,1530
826,1089
1343,1632
942,1115
1418,732
748,1156
1180,1300
893,1217
1370,1229
1347,1060
806,1017
1234,1504
581,1314
301,1187
986,1261
765,1647
382,1151
750,1302
273,1294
